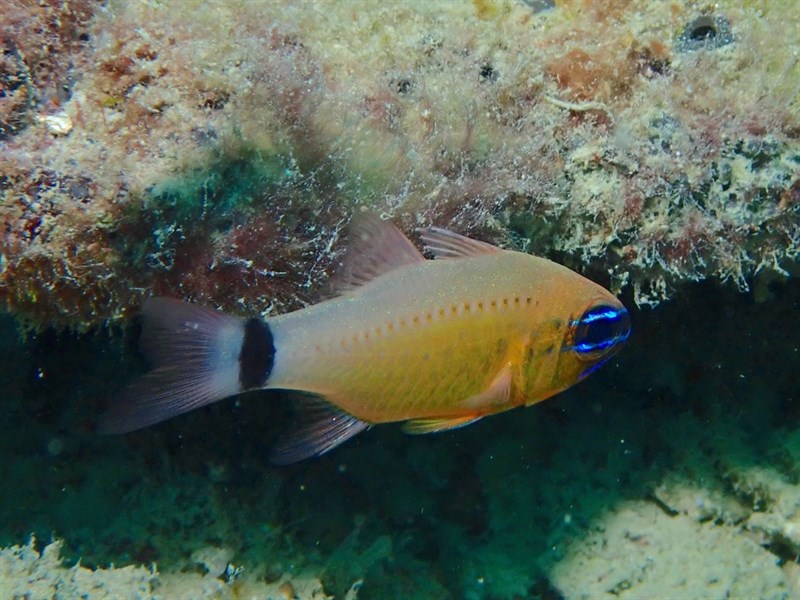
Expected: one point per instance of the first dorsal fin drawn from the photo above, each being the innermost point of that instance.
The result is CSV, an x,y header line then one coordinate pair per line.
x,y
375,248
443,243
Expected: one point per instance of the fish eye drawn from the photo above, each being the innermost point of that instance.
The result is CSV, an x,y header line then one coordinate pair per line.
x,y
600,330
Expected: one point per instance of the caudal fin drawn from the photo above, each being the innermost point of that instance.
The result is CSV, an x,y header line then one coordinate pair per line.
x,y
195,354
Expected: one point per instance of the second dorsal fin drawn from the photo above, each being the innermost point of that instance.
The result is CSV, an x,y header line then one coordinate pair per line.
x,y
443,243
375,248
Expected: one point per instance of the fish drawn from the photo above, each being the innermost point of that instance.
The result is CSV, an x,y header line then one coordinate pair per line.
x,y
434,343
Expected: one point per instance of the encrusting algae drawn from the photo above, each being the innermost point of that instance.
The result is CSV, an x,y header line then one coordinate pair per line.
x,y
657,142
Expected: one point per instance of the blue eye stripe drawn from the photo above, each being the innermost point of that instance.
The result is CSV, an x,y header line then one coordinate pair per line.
x,y
586,347
610,315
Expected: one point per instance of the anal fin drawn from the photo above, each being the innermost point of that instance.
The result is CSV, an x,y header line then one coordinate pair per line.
x,y
321,427
420,426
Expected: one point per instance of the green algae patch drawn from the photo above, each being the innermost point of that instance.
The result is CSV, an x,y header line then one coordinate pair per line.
x,y
233,183
200,201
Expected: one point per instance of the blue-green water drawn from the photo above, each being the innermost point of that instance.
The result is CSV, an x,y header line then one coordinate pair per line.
x,y
706,392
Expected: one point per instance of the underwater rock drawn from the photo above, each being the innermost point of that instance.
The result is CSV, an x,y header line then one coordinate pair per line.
x,y
574,132
29,573
679,557
33,575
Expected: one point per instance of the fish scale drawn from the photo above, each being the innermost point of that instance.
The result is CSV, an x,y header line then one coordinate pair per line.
x,y
472,338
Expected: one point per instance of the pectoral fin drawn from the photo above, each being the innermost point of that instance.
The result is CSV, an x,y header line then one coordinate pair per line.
x,y
495,397
419,426
321,427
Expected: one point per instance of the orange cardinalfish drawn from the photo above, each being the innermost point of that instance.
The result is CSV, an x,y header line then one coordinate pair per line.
x,y
435,343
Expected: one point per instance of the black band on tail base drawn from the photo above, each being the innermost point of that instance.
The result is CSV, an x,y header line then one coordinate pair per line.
x,y
257,356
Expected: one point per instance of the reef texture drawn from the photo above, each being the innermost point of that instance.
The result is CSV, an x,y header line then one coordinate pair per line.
x,y
28,574
216,152
25,573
